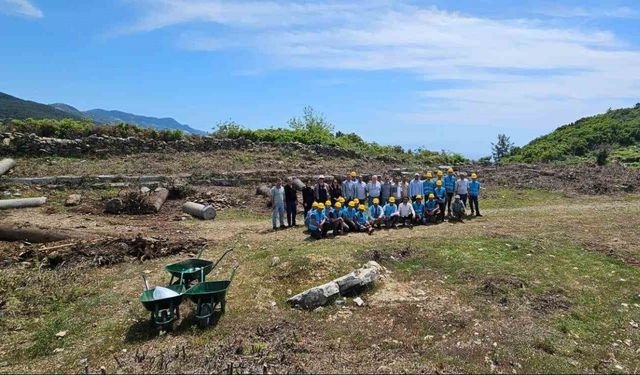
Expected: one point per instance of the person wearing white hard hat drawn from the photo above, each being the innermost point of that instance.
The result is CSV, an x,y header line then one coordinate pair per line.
x,y
321,190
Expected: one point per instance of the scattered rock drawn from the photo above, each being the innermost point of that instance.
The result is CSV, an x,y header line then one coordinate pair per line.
x,y
61,334
58,350
275,261
73,200
358,301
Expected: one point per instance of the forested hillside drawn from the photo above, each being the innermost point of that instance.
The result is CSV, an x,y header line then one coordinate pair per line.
x,y
614,135
16,108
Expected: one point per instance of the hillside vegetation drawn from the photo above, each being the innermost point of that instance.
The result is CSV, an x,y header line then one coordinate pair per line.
x,y
615,133
15,108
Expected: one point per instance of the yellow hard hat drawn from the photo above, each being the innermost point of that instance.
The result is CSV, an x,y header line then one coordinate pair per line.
x,y
439,173
321,206
354,174
352,204
418,196
474,176
357,201
376,201
315,205
429,175
341,200
450,170
338,205
438,183
327,203
361,207
431,196
392,199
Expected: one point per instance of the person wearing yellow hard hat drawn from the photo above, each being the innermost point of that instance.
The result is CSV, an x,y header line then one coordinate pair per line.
x,y
349,186
441,196
428,184
336,222
312,211
418,208
318,222
431,209
349,216
376,213
391,213
474,193
362,221
449,183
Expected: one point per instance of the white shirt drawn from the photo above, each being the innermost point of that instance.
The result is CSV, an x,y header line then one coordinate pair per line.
x,y
404,209
462,186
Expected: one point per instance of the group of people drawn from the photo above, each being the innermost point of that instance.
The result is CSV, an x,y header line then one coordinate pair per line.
x,y
356,205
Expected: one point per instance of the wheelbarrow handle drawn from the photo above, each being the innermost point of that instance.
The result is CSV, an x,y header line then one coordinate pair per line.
x,y
223,255
233,273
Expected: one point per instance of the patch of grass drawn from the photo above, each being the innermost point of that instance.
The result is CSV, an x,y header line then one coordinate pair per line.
x,y
511,198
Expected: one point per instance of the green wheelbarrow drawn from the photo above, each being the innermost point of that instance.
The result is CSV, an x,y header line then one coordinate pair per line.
x,y
190,270
207,296
164,311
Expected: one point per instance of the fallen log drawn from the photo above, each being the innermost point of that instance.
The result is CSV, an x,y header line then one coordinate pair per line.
x,y
33,235
6,165
158,199
22,203
114,206
199,210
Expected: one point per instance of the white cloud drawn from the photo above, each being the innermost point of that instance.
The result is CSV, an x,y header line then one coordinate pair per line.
x,y
508,72
583,12
20,7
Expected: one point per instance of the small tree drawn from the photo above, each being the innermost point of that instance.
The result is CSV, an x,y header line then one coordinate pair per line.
x,y
502,147
311,122
602,155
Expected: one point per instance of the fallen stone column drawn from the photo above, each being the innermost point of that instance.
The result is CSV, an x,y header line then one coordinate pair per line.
x,y
158,199
33,235
350,284
263,190
298,184
199,210
6,165
22,203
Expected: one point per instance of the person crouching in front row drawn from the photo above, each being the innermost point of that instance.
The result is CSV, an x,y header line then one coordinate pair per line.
x,y
376,214
318,223
391,213
335,220
349,216
362,220
431,209
406,212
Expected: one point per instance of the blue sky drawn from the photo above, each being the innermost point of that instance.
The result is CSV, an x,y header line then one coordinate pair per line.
x,y
439,74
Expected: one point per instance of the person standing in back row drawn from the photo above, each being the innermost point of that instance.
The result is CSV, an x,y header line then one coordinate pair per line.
x,y
308,197
277,202
373,189
361,189
321,191
349,187
462,188
474,193
386,190
291,202
415,187
335,191
450,188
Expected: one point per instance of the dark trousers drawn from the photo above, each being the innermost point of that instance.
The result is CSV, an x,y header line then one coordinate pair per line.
x,y
449,199
291,212
307,207
432,217
419,219
442,206
407,219
338,225
463,198
473,202
391,221
321,231
351,224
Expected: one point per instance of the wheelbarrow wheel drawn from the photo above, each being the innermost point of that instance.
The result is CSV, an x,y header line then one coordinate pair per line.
x,y
206,314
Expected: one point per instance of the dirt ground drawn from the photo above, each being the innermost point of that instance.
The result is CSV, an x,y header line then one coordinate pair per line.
x,y
546,281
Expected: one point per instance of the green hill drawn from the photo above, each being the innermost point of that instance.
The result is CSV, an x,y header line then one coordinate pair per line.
x,y
616,133
16,108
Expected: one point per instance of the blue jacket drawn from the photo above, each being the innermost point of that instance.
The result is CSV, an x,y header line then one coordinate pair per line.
x,y
449,183
390,209
431,204
349,213
428,187
316,218
372,212
441,194
474,188
308,217
333,213
361,218
418,208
